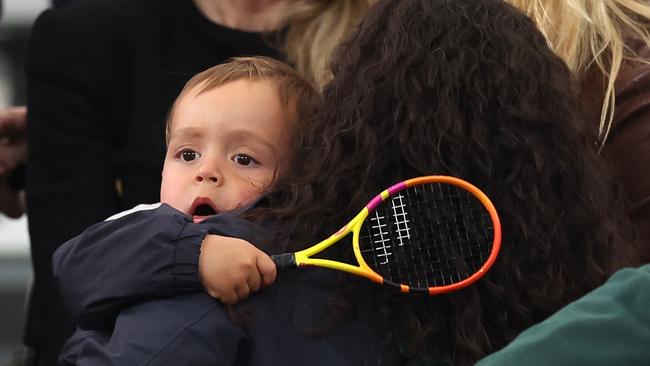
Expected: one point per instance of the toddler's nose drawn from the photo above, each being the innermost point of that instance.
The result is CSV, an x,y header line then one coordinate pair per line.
x,y
208,174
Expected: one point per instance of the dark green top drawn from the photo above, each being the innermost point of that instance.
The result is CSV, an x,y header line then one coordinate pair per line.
x,y
609,326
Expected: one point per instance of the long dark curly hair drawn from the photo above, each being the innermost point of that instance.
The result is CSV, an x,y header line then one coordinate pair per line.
x,y
466,88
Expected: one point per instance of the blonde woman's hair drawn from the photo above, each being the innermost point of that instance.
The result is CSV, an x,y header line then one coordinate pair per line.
x,y
593,32
314,29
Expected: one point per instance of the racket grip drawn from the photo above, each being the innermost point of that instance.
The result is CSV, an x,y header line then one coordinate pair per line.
x,y
284,261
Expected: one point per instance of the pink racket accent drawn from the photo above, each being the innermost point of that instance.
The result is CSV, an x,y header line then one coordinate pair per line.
x,y
379,199
397,187
375,202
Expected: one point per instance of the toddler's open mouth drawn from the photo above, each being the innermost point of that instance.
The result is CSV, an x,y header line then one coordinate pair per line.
x,y
202,208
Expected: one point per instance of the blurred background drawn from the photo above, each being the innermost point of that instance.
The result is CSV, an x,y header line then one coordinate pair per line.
x,y
15,264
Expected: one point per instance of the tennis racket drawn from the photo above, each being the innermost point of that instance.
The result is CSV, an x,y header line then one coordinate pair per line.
x,y
431,234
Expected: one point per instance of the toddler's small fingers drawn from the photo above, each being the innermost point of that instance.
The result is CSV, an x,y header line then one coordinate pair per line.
x,y
254,281
227,299
242,292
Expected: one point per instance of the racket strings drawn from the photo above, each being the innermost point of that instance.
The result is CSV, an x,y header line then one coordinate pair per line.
x,y
428,235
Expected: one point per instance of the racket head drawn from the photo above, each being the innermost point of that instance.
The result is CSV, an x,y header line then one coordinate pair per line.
x,y
432,234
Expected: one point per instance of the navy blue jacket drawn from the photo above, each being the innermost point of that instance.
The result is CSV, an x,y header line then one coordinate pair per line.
x,y
132,285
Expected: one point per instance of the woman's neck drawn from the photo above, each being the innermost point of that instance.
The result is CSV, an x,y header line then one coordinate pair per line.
x,y
245,15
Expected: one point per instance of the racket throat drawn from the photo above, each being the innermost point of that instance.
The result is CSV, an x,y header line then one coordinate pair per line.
x,y
284,261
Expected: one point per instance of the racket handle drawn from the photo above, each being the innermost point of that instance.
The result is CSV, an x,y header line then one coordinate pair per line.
x,y
284,261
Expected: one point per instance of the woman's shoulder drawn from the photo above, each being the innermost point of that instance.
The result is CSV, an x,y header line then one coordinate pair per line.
x,y
104,33
112,10
92,18
634,75
632,88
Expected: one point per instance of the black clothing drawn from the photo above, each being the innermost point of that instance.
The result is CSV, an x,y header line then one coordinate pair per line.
x,y
118,275
60,3
101,76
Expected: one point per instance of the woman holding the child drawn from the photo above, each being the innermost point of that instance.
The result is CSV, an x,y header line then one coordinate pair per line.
x,y
468,89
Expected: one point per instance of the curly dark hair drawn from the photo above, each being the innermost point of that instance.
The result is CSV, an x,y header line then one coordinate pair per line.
x,y
466,88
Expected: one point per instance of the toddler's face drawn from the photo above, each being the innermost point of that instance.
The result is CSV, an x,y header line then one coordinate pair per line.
x,y
225,146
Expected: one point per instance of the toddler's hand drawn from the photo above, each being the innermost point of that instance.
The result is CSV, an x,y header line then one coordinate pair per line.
x,y
230,268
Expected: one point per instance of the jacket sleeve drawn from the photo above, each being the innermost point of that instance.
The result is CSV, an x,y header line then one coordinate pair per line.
x,y
192,330
149,252
609,326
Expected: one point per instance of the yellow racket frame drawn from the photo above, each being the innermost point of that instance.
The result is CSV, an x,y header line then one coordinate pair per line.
x,y
304,257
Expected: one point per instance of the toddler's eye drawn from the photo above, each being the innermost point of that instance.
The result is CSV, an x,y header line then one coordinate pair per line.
x,y
188,155
243,159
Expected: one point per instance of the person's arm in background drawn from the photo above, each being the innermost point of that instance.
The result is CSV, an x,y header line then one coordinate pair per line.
x,y
609,326
13,152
